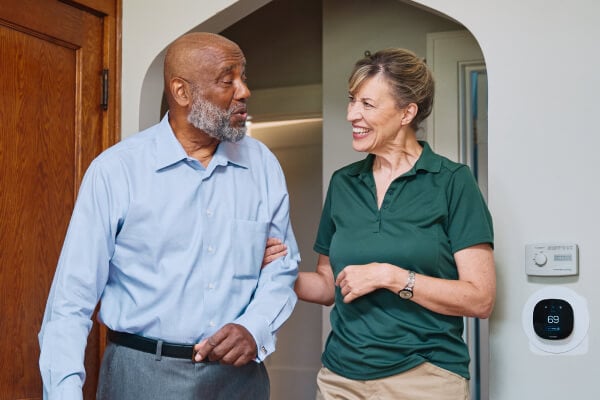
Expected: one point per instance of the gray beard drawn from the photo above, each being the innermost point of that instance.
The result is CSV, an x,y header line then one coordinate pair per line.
x,y
215,122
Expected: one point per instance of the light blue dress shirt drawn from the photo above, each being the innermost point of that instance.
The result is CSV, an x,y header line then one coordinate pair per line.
x,y
172,250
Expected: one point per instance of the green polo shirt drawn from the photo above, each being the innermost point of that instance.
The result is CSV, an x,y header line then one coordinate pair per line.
x,y
427,215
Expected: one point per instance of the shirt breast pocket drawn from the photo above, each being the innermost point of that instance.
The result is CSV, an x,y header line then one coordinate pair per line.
x,y
249,239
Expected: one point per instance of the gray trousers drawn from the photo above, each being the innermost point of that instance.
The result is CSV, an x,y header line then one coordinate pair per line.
x,y
127,374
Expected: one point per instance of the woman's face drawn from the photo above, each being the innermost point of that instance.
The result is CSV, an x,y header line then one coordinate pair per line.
x,y
375,117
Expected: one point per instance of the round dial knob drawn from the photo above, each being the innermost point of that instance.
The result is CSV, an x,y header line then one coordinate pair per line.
x,y
540,259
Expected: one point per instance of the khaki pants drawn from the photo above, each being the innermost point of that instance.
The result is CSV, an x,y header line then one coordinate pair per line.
x,y
424,382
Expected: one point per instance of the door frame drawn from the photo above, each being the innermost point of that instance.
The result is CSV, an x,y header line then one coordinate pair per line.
x,y
451,55
111,12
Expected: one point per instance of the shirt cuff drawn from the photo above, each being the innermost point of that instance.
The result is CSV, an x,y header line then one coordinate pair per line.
x,y
70,389
265,340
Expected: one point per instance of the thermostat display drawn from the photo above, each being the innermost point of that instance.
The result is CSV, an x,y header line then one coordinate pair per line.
x,y
553,319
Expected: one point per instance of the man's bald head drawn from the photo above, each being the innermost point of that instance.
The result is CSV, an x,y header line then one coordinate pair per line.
x,y
187,54
205,86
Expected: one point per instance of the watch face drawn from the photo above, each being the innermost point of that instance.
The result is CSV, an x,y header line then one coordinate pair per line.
x,y
405,293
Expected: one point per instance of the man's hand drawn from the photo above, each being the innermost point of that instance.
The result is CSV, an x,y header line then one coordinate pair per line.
x,y
275,249
232,345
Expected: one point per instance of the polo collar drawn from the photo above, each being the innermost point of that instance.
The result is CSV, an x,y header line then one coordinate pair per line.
x,y
428,161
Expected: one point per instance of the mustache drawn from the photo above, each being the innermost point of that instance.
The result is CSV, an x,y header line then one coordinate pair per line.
x,y
242,109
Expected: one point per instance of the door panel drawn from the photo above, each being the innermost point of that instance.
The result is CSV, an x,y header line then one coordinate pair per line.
x,y
51,126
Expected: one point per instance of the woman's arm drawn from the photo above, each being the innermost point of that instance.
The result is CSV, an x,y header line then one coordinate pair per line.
x,y
314,287
317,287
472,295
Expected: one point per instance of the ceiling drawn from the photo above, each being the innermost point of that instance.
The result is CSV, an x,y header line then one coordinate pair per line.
x,y
282,42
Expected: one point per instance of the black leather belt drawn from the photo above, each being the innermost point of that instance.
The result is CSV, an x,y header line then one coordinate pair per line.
x,y
151,346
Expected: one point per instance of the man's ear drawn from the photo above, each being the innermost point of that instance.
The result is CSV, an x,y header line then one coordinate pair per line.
x,y
409,113
180,91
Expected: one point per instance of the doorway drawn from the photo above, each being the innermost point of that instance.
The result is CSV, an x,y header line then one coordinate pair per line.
x,y
457,129
293,45
297,144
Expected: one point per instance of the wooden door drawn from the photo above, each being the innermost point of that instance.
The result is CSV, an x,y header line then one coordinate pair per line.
x,y
52,124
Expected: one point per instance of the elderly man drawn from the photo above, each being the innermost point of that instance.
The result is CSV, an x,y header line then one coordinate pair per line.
x,y
169,233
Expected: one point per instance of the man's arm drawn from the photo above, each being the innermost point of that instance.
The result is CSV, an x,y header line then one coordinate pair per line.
x,y
80,276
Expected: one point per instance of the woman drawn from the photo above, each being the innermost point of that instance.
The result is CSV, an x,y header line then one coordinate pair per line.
x,y
405,248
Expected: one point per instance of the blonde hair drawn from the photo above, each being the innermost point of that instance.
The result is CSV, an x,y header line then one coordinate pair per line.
x,y
409,77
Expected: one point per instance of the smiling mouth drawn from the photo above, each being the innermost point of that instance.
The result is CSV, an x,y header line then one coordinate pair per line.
x,y
360,132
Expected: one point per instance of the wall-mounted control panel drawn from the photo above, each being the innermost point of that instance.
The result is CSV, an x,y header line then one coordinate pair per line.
x,y
551,259
556,320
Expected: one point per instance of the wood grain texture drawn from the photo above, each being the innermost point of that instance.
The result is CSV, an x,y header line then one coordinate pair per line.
x,y
51,127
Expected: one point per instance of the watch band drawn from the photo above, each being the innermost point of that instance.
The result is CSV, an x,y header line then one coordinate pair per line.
x,y
411,280
407,292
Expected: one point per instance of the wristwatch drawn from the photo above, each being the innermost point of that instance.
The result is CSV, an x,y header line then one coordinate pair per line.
x,y
407,292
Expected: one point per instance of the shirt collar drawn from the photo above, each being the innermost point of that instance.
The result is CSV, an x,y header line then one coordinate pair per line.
x,y
230,152
428,161
169,151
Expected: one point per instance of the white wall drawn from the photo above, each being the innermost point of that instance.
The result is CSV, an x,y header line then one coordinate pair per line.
x,y
542,59
542,62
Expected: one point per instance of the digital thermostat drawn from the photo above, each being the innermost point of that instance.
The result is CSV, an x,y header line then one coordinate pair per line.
x,y
553,319
551,259
556,321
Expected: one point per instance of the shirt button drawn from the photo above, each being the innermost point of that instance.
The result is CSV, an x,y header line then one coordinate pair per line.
x,y
263,349
209,212
211,286
212,323
211,249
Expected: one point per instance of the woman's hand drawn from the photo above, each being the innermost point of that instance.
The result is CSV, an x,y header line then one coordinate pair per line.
x,y
275,248
357,280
